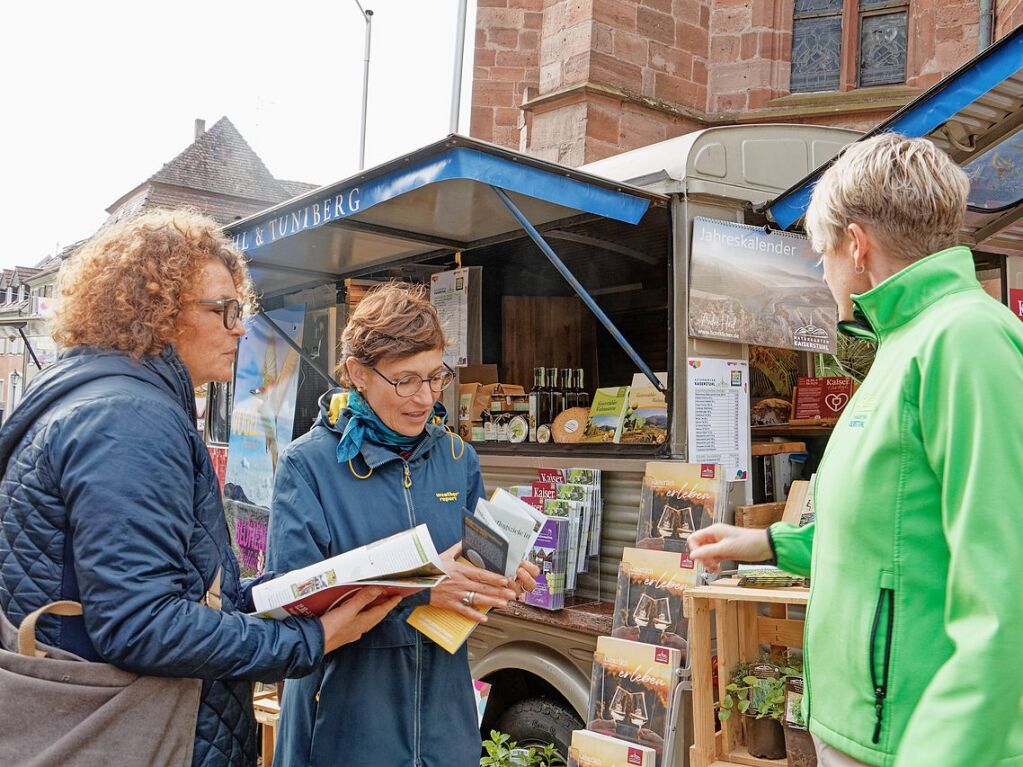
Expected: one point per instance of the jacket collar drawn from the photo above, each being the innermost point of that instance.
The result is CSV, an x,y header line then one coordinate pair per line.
x,y
375,455
904,295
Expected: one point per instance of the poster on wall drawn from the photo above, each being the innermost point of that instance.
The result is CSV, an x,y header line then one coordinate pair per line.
x,y
754,287
449,293
262,420
718,414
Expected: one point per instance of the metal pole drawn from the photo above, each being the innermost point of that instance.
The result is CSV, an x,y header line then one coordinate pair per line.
x,y
368,16
456,87
301,352
28,346
577,286
984,32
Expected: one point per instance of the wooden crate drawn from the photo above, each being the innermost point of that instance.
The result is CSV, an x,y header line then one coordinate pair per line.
x,y
745,619
759,515
268,713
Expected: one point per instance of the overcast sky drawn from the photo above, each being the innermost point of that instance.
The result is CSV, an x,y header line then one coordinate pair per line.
x,y
99,95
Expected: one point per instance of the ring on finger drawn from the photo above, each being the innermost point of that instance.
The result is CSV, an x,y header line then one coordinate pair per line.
x,y
469,599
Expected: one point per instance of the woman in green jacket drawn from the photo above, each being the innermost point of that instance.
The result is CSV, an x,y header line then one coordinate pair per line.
x,y
914,624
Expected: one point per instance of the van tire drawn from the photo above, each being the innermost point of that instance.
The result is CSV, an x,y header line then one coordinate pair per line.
x,y
539,721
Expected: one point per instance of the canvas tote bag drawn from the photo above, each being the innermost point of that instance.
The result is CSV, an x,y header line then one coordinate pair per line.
x,y
57,710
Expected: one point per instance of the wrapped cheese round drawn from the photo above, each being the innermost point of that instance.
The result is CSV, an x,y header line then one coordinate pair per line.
x,y
570,424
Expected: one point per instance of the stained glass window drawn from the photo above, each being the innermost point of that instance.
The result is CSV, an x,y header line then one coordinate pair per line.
x,y
883,49
816,54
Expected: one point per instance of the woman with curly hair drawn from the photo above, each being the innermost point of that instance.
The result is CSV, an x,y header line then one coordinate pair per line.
x,y
108,495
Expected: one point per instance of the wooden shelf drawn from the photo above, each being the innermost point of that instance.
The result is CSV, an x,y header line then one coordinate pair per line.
x,y
775,448
592,618
792,430
744,620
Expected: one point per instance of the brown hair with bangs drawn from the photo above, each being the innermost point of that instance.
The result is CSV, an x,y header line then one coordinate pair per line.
x,y
394,320
127,286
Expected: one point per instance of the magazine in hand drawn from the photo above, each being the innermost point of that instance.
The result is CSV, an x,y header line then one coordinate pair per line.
x,y
403,564
505,526
632,690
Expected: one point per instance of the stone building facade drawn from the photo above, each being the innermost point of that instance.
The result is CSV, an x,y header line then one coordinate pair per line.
x,y
577,80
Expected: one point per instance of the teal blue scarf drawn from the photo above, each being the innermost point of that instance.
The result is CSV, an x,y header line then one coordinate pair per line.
x,y
364,424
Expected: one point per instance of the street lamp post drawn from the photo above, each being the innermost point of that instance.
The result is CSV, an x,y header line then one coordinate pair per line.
x,y
456,86
368,16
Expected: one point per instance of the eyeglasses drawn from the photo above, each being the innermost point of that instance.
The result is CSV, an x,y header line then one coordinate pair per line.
x,y
408,386
229,308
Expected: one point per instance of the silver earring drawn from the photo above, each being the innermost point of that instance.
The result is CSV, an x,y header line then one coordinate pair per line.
x,y
859,269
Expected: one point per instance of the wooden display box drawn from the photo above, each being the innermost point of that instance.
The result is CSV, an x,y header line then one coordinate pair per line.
x,y
742,628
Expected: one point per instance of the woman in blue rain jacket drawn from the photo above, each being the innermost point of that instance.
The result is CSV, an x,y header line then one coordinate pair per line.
x,y
373,465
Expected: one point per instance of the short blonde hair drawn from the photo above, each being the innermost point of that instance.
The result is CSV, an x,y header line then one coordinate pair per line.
x,y
126,287
394,320
909,192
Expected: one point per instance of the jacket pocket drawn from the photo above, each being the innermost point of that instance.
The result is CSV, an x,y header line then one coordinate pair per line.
x,y
881,631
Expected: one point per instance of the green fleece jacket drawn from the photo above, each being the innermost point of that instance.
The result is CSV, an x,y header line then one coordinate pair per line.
x,y
915,625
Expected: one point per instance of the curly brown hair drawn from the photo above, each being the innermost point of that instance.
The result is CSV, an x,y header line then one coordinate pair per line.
x,y
393,320
127,286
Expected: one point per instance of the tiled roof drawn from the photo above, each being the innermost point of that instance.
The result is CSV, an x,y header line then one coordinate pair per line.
x,y
221,161
295,188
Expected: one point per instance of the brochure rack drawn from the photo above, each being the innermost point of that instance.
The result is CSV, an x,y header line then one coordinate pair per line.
x,y
746,620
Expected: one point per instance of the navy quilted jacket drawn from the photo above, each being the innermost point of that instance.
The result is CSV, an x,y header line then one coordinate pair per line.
x,y
109,498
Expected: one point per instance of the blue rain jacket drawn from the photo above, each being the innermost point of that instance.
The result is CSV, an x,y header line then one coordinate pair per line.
x,y
109,498
393,698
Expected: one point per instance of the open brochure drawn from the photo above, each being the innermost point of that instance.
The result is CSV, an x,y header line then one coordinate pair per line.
x,y
507,529
403,564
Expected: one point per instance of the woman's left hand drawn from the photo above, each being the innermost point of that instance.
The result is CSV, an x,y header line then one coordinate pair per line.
x,y
469,587
525,578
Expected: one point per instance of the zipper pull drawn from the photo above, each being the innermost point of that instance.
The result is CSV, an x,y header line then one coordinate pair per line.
x,y
408,477
879,695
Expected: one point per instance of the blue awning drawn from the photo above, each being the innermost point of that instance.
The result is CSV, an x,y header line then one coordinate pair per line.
x,y
967,113
438,199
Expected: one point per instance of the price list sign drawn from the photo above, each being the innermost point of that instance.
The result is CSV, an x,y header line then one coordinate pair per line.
x,y
718,414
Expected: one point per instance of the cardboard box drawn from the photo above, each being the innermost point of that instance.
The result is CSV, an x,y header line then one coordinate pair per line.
x,y
474,398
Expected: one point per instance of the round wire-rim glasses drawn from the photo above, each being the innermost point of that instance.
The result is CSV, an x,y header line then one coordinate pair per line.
x,y
409,385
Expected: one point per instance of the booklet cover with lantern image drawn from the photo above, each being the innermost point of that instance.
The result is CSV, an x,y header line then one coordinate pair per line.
x,y
631,691
676,500
648,605
592,749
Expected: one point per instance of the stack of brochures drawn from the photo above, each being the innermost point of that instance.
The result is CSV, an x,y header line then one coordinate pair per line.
x,y
571,500
497,536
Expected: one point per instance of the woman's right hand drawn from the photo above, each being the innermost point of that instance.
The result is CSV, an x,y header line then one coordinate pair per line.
x,y
717,543
354,617
489,589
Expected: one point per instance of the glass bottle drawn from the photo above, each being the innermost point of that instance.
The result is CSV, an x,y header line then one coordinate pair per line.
x,y
537,401
557,394
567,388
582,396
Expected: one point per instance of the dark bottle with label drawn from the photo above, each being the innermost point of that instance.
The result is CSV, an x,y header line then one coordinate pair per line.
x,y
582,396
557,394
538,401
567,389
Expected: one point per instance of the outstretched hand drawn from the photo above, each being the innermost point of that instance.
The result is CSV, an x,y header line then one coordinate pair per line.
x,y
718,543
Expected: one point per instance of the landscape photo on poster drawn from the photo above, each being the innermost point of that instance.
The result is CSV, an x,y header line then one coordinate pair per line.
x,y
758,288
262,420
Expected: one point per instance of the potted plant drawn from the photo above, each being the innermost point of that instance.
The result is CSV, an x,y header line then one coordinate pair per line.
x,y
757,692
799,747
502,751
